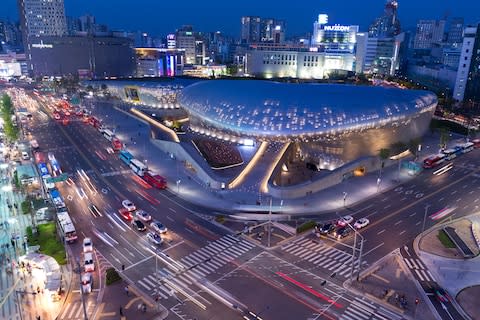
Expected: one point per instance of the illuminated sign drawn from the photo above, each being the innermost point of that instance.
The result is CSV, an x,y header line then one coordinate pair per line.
x,y
323,18
42,45
336,28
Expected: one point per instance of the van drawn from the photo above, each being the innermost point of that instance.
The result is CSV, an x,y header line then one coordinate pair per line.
x,y
88,262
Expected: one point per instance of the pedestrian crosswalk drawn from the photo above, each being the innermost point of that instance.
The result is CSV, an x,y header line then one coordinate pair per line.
x,y
74,310
419,269
361,309
323,256
198,264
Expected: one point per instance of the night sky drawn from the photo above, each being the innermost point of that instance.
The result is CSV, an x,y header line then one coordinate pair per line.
x,y
160,17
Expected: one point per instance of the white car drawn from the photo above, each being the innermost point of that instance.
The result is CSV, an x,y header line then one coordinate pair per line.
x,y
143,215
361,223
87,282
154,238
88,262
127,204
344,221
25,155
158,227
87,245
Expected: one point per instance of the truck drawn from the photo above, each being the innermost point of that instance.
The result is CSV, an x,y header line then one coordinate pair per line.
x,y
155,180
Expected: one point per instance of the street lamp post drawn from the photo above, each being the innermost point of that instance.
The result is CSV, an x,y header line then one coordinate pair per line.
x,y
344,198
178,186
378,184
425,217
270,223
79,270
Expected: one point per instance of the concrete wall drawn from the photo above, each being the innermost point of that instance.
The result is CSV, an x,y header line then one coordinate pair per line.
x,y
335,177
181,155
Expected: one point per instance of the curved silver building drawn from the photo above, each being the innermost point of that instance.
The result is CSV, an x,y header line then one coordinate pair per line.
x,y
345,121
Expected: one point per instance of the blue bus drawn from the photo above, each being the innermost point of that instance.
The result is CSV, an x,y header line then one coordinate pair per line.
x,y
126,157
42,167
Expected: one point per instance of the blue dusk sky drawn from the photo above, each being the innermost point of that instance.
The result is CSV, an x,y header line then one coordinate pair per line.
x,y
160,17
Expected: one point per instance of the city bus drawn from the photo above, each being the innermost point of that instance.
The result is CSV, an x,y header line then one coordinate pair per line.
x,y
54,164
433,160
138,167
126,157
466,147
65,227
108,134
42,168
451,154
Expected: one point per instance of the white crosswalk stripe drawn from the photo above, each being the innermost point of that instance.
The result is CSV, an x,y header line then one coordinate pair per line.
x,y
322,255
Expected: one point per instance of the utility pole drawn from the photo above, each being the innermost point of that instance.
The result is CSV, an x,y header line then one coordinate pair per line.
x,y
270,223
360,257
425,217
353,253
79,271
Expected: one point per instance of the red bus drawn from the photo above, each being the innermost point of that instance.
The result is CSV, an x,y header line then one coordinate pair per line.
x,y
95,122
116,144
433,160
40,157
476,143
155,180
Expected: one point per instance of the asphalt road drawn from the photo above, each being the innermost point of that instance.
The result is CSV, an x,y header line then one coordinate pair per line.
x,y
202,256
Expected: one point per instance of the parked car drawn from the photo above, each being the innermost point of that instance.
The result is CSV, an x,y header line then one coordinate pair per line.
x,y
343,221
87,245
127,204
138,225
342,232
154,238
361,223
158,226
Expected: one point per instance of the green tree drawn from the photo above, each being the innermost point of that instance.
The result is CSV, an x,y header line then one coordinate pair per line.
x,y
444,137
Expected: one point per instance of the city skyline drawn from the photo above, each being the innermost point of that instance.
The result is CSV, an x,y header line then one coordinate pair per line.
x,y
145,18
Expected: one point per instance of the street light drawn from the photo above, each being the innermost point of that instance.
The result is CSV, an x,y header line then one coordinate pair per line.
x,y
379,180
425,217
178,185
344,198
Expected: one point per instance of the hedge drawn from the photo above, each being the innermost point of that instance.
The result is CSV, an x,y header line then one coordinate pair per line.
x,y
112,276
306,226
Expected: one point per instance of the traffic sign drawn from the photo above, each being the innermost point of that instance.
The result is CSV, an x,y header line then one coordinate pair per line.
x,y
59,178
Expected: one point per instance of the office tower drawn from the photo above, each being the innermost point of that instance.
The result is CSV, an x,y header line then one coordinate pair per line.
x,y
455,32
388,24
468,73
193,43
250,32
429,32
42,18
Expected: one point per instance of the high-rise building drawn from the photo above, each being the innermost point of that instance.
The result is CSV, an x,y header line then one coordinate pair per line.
x,y
472,88
455,32
388,24
256,30
429,32
468,73
185,39
42,18
378,51
250,32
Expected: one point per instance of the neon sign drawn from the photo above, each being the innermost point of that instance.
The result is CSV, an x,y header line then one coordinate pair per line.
x,y
336,28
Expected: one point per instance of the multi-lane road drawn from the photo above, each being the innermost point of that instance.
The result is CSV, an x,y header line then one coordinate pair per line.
x,y
203,272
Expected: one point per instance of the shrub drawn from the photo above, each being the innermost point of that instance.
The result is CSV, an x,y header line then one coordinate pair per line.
x,y
445,239
112,276
26,207
306,226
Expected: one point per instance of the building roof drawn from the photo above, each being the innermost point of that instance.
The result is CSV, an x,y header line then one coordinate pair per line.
x,y
266,108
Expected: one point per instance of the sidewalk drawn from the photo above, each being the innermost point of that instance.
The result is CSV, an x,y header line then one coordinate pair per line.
x,y
457,275
117,302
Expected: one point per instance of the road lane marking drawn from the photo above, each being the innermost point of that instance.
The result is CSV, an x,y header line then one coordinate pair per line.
x,y
403,232
398,222
412,214
418,223
171,209
381,232
170,218
375,248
